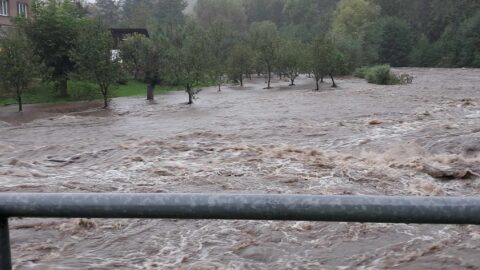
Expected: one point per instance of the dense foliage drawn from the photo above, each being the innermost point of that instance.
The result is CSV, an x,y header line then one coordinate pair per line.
x,y
199,42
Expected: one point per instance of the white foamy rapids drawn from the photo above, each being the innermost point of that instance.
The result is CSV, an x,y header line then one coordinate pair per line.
x,y
418,139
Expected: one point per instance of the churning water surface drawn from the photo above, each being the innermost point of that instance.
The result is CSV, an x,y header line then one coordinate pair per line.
x,y
418,139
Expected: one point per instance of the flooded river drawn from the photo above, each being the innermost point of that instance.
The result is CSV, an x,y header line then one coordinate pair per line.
x,y
418,139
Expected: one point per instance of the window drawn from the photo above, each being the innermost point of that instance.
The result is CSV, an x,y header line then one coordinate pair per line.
x,y
22,10
3,7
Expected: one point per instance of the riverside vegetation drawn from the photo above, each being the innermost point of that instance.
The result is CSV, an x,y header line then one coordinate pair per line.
x,y
223,41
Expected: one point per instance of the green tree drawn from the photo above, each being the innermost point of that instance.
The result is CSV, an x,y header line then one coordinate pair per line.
x,y
424,53
265,40
470,39
137,13
395,42
352,17
166,16
188,59
220,41
153,63
132,53
291,58
240,62
53,29
228,13
108,12
18,64
94,60
325,59
304,19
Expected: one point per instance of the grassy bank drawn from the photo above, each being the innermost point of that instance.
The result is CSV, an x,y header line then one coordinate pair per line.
x,y
80,91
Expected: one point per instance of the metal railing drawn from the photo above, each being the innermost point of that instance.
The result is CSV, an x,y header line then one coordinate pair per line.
x,y
372,209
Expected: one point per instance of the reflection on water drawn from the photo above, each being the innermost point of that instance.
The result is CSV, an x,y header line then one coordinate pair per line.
x,y
420,139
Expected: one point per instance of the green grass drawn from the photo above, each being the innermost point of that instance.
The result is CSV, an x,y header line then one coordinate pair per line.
x,y
42,92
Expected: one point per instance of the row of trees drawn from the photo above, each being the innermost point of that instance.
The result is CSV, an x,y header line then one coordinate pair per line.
x,y
55,44
190,55
397,32
235,38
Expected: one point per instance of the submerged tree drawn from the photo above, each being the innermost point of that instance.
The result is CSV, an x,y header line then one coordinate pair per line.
x,y
265,40
153,58
18,64
325,59
188,60
219,41
240,62
94,60
291,59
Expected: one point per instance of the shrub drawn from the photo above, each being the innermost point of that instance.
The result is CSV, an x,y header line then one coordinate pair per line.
x,y
380,75
360,72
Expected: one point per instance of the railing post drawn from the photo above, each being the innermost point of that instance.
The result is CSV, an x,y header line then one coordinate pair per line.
x,y
5,256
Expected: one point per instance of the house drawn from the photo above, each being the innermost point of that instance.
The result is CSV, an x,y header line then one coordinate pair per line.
x,y
10,9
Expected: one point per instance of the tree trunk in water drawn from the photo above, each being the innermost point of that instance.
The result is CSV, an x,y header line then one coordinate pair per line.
x,y
241,80
333,81
293,82
269,78
190,95
105,100
19,98
62,87
150,91
318,87
321,79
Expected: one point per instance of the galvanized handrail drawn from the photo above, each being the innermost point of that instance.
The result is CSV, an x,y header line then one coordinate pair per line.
x,y
375,209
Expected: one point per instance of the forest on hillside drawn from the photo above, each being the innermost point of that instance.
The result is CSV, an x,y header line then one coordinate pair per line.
x,y
214,42
433,33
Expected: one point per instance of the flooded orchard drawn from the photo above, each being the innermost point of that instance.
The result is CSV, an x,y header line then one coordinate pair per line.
x,y
417,139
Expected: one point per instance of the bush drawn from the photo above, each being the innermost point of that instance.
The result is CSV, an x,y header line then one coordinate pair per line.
x,y
361,72
378,75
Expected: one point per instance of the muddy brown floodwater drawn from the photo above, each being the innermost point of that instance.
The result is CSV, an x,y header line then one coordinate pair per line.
x,y
418,139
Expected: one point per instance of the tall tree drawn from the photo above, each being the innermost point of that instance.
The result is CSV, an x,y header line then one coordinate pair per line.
x,y
137,13
108,12
53,29
291,58
352,17
325,59
470,37
132,53
240,62
168,14
228,13
94,59
18,64
188,59
265,40
395,42
153,62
